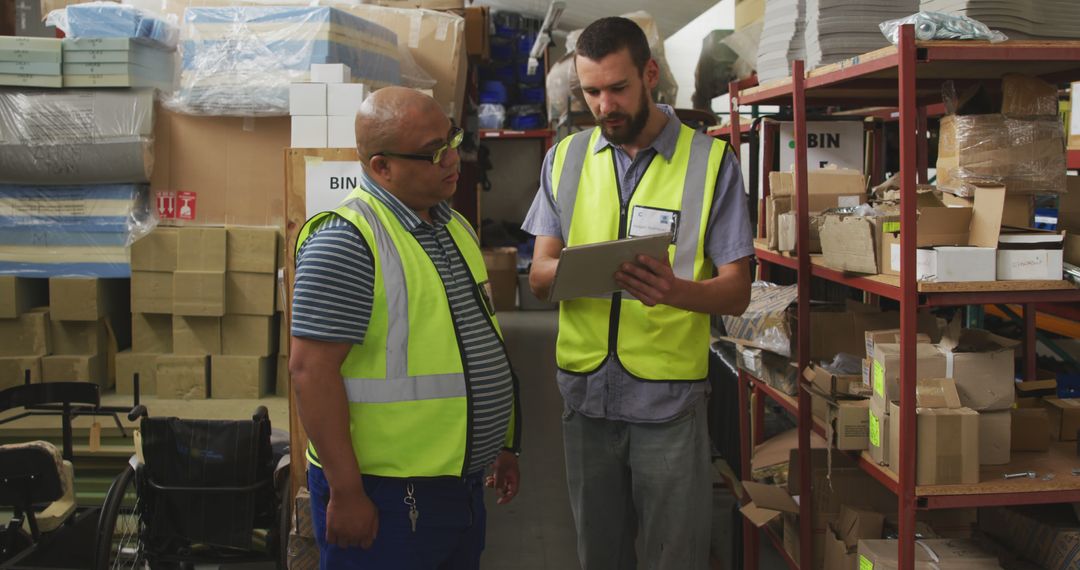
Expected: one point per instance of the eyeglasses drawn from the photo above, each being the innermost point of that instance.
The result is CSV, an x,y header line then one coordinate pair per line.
x,y
454,139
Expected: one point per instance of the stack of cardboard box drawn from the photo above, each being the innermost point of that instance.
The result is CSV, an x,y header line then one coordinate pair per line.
x,y
204,308
24,326
84,339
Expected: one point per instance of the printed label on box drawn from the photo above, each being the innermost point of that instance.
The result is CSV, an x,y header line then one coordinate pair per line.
x,y
166,205
186,201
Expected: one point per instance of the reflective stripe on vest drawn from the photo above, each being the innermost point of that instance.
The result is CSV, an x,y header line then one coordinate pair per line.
x,y
652,343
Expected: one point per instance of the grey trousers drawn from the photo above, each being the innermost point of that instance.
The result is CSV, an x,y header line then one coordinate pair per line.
x,y
625,476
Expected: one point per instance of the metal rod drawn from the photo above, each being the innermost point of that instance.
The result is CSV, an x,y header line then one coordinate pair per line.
x,y
908,296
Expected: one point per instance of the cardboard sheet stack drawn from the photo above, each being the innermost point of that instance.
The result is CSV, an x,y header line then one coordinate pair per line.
x,y
1018,19
781,38
24,326
117,62
241,60
204,309
30,62
841,29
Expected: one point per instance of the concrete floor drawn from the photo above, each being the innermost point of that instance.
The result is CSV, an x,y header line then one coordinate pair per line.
x,y
536,530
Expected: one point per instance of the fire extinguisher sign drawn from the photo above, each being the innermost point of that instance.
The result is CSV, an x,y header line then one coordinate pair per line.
x,y
176,205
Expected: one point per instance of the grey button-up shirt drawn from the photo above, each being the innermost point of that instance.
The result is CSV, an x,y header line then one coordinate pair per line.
x,y
611,392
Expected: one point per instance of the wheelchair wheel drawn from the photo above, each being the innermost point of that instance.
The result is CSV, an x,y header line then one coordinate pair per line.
x,y
284,523
117,544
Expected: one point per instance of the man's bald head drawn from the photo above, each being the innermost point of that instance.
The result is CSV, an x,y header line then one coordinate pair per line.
x,y
383,116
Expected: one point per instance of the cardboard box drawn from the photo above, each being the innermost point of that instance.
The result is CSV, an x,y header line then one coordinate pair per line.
x,y
199,293
252,250
152,292
196,335
301,515
284,336
930,554
14,370
27,335
309,132
831,384
477,32
1072,249
247,335
303,553
182,377
947,445
240,376
283,383
983,365
995,437
1027,156
330,73
344,99
878,433
843,536
889,336
960,264
151,333
87,299
825,188
501,263
1030,255
1044,535
75,368
929,363
128,364
1030,429
210,158
307,99
340,131
847,422
79,337
767,502
787,232
854,243
20,294
1037,388
1027,96
156,251
774,207
249,293
201,249
1064,417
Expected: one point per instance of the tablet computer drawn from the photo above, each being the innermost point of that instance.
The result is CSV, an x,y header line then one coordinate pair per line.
x,y
586,270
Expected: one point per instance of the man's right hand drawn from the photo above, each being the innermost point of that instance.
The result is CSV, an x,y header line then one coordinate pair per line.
x,y
351,520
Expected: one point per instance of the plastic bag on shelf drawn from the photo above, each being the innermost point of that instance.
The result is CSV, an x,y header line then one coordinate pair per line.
x,y
941,26
76,136
72,231
112,20
492,116
715,69
240,60
765,324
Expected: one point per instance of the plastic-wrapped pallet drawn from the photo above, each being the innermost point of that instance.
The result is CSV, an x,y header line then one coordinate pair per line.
x,y
76,137
239,61
112,20
71,231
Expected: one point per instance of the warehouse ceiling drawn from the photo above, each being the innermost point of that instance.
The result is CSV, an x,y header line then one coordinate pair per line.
x,y
671,18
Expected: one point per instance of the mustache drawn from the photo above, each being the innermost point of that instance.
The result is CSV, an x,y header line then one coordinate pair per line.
x,y
614,117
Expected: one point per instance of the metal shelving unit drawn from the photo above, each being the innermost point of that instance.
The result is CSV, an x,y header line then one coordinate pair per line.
x,y
903,83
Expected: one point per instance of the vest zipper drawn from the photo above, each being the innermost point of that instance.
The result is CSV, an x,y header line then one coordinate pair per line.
x,y
616,297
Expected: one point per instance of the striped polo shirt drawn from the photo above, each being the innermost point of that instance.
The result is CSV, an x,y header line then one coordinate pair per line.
x,y
334,292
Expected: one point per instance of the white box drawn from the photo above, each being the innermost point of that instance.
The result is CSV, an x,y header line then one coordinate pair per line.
x,y
956,264
341,132
345,98
309,132
1042,261
307,99
330,73
827,142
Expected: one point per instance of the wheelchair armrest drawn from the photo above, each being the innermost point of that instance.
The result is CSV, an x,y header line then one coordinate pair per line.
x,y
261,413
138,412
208,489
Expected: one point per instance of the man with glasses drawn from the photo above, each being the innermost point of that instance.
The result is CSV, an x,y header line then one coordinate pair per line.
x,y
398,366
633,365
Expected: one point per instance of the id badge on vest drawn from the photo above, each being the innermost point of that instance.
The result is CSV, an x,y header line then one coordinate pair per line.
x,y
645,221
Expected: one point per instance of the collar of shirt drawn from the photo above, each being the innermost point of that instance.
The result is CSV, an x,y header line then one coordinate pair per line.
x,y
663,144
440,213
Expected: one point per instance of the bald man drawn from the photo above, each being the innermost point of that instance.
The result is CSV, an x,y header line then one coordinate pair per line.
x,y
398,366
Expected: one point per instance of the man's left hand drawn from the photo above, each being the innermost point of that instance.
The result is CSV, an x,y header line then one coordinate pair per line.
x,y
651,281
504,477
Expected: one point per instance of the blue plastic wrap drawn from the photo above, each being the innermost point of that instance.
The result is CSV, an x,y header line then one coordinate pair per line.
x,y
71,231
239,61
112,20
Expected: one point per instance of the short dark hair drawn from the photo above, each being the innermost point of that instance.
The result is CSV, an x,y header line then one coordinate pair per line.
x,y
609,35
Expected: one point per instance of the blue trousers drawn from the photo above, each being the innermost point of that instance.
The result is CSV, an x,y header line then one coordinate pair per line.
x,y
449,531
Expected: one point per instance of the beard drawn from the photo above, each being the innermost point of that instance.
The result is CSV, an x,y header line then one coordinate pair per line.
x,y
632,124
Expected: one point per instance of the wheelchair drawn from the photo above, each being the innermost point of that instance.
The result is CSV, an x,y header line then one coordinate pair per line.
x,y
197,492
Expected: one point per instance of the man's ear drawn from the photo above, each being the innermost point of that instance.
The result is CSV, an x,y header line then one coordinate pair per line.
x,y
379,166
652,74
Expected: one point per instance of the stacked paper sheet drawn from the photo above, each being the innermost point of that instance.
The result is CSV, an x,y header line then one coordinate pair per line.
x,y
117,62
30,62
781,38
841,29
61,231
76,136
1018,18
241,60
